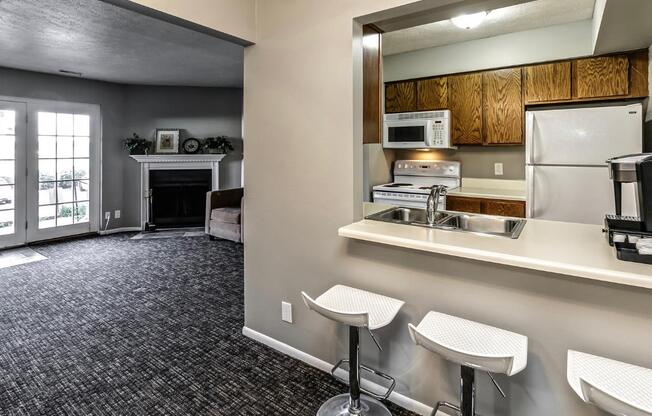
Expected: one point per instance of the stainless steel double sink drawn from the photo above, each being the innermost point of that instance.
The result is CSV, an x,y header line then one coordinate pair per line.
x,y
453,221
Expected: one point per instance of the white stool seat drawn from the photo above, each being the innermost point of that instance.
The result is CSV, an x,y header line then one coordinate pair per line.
x,y
615,387
471,344
355,307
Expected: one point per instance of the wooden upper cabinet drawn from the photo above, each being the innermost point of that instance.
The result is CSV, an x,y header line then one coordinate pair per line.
x,y
547,82
400,97
432,94
502,106
604,76
465,104
638,74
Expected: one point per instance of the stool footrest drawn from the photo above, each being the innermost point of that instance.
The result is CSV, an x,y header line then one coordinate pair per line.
x,y
369,370
447,405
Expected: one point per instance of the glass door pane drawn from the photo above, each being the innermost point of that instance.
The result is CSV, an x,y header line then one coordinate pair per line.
x,y
12,171
63,169
7,171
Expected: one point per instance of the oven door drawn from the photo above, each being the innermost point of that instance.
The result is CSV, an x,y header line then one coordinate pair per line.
x,y
408,134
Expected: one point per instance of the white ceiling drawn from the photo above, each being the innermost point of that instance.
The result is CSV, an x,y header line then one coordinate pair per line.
x,y
531,15
109,43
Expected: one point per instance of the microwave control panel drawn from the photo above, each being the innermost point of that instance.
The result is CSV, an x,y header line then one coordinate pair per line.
x,y
440,133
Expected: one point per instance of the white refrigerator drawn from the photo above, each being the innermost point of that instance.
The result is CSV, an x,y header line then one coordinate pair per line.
x,y
566,152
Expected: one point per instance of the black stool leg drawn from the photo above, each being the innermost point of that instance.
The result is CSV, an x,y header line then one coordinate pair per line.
x,y
467,391
354,369
354,402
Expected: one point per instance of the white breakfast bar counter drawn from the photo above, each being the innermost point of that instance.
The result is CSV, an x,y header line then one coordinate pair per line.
x,y
567,249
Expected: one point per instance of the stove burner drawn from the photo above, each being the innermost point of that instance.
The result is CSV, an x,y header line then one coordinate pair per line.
x,y
397,185
425,187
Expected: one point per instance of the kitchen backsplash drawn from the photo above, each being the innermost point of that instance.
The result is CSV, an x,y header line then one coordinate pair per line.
x,y
477,162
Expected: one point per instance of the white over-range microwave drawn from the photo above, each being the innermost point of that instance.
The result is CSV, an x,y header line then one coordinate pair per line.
x,y
418,130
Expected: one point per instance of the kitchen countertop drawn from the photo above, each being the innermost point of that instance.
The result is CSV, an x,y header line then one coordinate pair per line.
x,y
513,190
570,249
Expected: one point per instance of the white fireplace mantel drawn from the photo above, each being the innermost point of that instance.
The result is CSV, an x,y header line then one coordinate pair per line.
x,y
174,158
173,162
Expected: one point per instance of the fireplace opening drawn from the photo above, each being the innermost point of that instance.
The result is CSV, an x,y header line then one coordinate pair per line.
x,y
179,197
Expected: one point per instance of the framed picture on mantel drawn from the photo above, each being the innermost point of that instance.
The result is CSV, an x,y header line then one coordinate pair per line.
x,y
167,140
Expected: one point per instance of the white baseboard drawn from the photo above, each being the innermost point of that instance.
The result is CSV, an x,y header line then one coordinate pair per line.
x,y
119,230
396,398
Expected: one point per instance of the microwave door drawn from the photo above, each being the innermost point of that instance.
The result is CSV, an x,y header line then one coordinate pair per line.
x,y
405,134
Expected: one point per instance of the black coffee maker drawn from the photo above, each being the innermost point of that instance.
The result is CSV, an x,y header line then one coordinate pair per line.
x,y
631,169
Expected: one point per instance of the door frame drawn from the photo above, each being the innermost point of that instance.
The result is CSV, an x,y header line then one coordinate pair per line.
x,y
19,236
31,158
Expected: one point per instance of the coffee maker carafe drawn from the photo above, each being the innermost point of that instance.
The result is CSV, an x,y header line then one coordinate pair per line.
x,y
631,169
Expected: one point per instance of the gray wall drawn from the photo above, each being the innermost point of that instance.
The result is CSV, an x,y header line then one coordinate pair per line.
x,y
198,112
377,164
292,241
112,100
125,109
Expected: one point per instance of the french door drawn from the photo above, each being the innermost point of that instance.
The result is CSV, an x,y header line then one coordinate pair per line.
x,y
13,133
56,168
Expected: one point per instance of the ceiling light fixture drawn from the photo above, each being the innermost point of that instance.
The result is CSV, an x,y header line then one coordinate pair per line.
x,y
469,21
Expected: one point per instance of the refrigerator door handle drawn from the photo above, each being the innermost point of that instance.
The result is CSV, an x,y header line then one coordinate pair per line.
x,y
529,201
529,137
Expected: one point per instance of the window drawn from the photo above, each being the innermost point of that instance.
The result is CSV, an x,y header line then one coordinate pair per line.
x,y
63,169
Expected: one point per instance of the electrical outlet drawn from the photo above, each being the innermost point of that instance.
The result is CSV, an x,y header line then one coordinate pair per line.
x,y
116,214
498,169
286,312
107,215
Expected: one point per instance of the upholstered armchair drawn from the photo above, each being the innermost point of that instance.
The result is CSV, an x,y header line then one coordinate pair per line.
x,y
224,214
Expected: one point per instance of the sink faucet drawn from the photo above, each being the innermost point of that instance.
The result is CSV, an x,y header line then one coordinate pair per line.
x,y
433,202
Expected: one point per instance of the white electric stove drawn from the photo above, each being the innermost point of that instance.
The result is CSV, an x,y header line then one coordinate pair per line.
x,y
413,179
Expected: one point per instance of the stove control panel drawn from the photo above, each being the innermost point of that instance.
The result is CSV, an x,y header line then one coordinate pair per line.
x,y
439,168
403,199
400,196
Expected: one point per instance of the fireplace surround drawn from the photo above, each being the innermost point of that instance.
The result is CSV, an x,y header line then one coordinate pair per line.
x,y
183,163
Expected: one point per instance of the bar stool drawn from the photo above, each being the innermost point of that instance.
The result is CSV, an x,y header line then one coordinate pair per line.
x,y
474,346
618,388
357,309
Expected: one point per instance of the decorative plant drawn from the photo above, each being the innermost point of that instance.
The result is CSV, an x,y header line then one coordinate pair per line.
x,y
218,144
136,145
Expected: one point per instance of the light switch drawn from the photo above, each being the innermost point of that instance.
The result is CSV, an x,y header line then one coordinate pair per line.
x,y
498,169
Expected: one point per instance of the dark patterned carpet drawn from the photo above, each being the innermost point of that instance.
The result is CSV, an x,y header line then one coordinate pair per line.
x,y
111,326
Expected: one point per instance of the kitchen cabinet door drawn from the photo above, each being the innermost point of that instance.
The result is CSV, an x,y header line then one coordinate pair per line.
x,y
502,106
604,76
547,82
432,94
400,97
465,104
638,74
504,208
464,204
